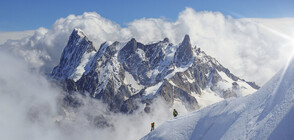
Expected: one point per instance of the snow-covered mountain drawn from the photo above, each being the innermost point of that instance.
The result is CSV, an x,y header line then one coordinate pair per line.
x,y
75,56
266,114
128,74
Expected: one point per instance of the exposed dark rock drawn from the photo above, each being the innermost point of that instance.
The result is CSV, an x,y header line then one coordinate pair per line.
x,y
184,53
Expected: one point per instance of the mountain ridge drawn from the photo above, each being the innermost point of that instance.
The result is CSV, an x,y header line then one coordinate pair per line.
x,y
121,74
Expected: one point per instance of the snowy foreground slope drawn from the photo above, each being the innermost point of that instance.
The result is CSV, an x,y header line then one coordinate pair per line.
x,y
266,114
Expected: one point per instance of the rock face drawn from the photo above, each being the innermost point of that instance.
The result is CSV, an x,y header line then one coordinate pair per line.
x,y
125,75
77,48
184,53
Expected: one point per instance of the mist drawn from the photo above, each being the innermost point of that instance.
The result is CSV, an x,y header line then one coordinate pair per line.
x,y
31,107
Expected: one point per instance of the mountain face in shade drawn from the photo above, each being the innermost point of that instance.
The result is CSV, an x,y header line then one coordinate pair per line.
x,y
184,53
127,74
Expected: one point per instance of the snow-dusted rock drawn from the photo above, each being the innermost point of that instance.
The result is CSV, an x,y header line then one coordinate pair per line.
x,y
125,75
75,57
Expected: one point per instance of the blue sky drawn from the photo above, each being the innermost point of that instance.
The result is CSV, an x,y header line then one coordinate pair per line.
x,y
18,15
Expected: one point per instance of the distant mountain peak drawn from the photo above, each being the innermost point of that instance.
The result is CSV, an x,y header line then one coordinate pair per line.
x,y
184,53
186,38
78,32
131,45
166,40
74,54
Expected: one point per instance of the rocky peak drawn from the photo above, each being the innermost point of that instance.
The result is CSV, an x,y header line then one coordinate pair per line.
x,y
186,39
77,47
184,53
166,40
131,45
128,49
78,40
76,34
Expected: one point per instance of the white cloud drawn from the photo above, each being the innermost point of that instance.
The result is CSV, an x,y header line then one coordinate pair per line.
x,y
4,36
30,108
27,101
250,48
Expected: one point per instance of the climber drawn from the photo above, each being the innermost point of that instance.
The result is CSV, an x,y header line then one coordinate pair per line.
x,y
175,113
152,126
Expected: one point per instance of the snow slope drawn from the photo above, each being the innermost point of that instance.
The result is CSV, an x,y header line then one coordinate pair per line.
x,y
266,114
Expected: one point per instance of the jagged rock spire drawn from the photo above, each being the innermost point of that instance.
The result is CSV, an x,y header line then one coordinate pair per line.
x,y
166,40
184,53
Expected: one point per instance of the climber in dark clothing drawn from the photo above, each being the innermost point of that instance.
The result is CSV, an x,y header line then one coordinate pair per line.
x,y
175,113
152,126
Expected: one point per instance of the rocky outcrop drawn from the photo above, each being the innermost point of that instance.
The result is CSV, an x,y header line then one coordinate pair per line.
x,y
184,54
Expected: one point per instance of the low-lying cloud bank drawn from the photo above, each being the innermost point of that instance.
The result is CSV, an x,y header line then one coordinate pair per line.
x,y
4,36
27,101
254,49
31,108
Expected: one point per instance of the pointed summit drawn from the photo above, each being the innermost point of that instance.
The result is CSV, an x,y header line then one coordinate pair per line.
x,y
128,49
133,40
166,40
184,53
186,38
77,47
77,33
131,46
